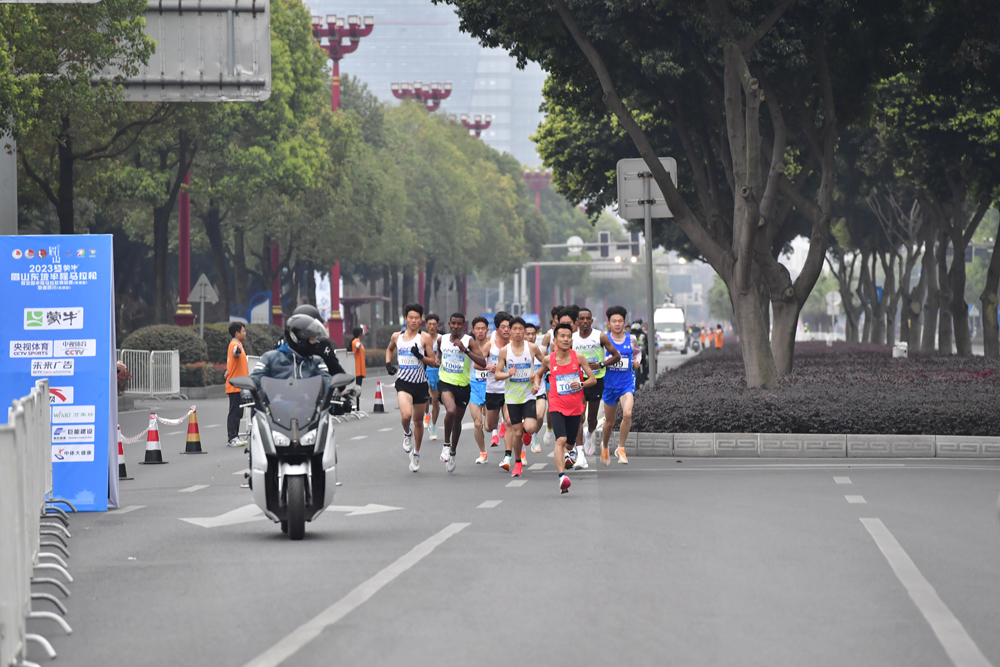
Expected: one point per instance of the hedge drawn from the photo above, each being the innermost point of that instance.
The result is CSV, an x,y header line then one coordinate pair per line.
x,y
202,374
217,341
169,337
847,388
261,338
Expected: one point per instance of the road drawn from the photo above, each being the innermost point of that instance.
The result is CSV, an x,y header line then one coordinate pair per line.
x,y
693,562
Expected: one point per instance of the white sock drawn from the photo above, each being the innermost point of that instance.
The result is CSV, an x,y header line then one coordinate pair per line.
x,y
496,432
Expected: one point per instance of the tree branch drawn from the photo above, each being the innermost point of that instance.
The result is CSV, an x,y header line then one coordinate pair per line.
x,y
749,41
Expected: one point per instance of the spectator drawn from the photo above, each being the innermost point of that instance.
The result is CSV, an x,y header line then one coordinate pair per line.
x,y
360,367
718,338
236,366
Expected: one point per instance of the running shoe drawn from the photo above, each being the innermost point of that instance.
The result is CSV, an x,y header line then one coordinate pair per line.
x,y
407,442
482,457
517,470
450,465
434,435
549,439
571,454
524,456
427,421
503,430
525,438
620,453
414,461
606,456
581,463
495,440
445,453
588,438
535,446
505,464
564,484
236,442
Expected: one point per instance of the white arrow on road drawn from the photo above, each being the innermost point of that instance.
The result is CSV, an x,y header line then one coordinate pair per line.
x,y
249,513
357,511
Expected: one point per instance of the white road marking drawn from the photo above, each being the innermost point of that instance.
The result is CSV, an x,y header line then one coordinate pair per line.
x,y
517,482
192,489
175,433
842,480
213,426
537,466
126,510
489,504
469,425
241,472
385,430
240,515
311,629
949,631
856,500
366,509
359,437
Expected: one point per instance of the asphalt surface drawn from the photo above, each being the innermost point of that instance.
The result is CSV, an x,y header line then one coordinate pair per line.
x,y
680,562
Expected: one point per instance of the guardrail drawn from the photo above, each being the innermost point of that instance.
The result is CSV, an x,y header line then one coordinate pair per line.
x,y
25,483
155,374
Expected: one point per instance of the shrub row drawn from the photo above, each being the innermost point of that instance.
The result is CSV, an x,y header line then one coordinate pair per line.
x,y
847,388
260,339
202,374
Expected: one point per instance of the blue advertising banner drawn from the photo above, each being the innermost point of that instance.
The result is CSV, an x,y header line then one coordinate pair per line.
x,y
59,324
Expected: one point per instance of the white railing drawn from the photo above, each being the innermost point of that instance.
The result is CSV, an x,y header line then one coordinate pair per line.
x,y
155,374
25,481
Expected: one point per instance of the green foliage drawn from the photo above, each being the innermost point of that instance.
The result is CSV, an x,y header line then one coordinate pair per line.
x,y
720,306
202,374
169,337
217,341
261,338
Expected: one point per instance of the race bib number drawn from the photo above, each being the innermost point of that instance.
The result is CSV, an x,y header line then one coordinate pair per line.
x,y
407,360
480,375
620,365
521,373
564,384
453,362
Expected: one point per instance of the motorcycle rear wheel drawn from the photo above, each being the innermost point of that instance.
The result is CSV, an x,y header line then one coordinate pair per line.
x,y
296,497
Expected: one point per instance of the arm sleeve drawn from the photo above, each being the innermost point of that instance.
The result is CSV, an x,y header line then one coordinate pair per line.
x,y
260,370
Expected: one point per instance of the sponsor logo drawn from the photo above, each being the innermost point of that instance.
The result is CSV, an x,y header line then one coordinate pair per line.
x,y
75,433
74,414
54,251
17,254
42,253
29,253
20,349
53,318
60,395
42,368
93,253
75,348
72,453
80,252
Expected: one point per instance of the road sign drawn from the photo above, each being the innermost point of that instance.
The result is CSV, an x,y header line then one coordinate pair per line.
x,y
833,298
203,290
206,51
574,245
630,189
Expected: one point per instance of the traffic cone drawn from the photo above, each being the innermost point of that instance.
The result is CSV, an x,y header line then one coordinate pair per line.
x,y
379,403
121,457
194,437
153,453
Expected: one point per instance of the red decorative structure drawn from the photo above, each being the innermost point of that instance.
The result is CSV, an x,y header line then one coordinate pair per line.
x,y
335,32
537,181
477,123
277,315
184,317
431,95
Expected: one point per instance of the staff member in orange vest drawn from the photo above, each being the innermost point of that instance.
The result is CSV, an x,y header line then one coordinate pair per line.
x,y
703,337
236,366
360,365
718,338
711,338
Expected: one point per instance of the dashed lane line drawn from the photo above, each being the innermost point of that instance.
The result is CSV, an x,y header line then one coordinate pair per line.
x,y
126,510
385,430
192,489
856,500
842,480
359,437
537,466
517,482
489,504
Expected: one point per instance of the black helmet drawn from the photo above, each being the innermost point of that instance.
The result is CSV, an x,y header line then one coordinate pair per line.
x,y
306,309
300,329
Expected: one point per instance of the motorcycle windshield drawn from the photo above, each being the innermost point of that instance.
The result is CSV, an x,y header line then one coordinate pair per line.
x,y
292,399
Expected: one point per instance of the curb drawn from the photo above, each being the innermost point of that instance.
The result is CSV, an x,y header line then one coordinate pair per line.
x,y
810,445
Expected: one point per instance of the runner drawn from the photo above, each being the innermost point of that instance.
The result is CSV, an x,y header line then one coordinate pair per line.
x,y
619,383
567,315
432,323
495,388
480,332
413,346
588,342
519,396
548,343
457,354
541,405
565,394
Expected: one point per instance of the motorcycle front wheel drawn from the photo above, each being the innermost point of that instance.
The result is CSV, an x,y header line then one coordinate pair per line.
x,y
296,497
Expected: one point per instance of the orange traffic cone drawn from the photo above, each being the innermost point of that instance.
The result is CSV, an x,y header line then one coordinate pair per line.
x,y
121,457
379,403
153,453
194,436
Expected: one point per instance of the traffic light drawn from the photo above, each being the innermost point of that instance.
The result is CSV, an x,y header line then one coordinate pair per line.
x,y
604,238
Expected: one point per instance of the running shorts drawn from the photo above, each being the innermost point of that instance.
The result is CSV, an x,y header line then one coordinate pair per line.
x,y
432,377
595,392
461,394
417,391
564,425
478,396
518,412
613,394
494,401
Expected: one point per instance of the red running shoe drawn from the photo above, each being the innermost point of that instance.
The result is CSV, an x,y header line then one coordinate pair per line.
x,y
564,484
517,470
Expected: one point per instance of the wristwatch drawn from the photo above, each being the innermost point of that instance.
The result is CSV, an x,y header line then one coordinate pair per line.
x,y
601,364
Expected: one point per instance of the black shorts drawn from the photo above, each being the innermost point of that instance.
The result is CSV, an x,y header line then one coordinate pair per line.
x,y
418,391
594,393
518,412
564,425
461,394
494,401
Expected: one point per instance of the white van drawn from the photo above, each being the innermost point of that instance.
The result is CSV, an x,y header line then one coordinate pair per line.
x,y
669,323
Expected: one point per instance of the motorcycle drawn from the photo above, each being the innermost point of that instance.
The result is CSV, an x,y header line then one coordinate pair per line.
x,y
293,450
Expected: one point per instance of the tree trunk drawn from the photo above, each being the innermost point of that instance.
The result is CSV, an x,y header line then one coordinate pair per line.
x,y
64,207
944,297
862,291
786,320
890,300
162,300
395,296
212,221
387,293
428,284
311,282
240,268
957,306
409,288
929,272
991,328
757,358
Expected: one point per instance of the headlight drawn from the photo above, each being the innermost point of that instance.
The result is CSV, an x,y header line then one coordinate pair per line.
x,y
309,438
280,440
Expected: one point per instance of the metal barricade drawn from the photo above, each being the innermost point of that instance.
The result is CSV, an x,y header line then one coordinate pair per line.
x,y
155,374
137,362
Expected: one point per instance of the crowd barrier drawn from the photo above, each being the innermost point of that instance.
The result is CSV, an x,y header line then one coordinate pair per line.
x,y
25,483
155,374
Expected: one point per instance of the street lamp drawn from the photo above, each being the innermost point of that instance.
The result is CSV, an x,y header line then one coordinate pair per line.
x,y
477,123
335,32
430,94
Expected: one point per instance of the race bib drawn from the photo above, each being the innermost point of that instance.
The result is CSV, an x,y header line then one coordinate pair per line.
x,y
564,384
453,362
521,373
480,375
407,360
620,365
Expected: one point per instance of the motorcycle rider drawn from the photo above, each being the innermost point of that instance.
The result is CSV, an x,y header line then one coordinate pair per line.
x,y
296,355
324,348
